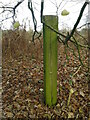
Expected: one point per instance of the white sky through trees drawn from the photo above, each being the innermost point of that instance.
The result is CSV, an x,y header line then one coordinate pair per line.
x,y
50,8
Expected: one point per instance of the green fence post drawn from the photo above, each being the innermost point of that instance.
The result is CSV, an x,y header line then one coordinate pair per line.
x,y
50,59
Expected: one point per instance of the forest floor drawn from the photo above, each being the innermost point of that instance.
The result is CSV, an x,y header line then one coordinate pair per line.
x,y
23,83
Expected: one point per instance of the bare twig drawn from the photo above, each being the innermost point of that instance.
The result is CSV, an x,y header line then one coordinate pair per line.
x,y
78,51
34,21
10,9
83,25
68,37
80,35
81,45
77,22
76,71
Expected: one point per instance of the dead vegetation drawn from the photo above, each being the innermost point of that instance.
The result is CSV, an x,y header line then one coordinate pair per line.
x,y
23,83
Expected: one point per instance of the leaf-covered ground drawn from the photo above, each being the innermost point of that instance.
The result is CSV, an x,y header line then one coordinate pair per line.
x,y
23,94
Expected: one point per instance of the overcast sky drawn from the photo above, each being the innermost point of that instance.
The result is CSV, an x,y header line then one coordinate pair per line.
x,y
24,14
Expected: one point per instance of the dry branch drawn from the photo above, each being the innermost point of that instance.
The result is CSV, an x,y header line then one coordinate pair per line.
x,y
10,9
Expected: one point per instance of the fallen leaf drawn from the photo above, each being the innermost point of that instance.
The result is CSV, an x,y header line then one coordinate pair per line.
x,y
40,81
41,90
81,110
9,114
70,115
58,105
39,106
82,94
16,96
71,91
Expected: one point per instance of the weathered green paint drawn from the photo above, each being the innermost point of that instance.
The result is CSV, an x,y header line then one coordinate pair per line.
x,y
50,59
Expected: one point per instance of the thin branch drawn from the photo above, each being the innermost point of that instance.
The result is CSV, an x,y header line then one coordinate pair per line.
x,y
18,4
66,46
76,71
78,51
34,20
81,45
42,6
54,30
77,22
80,35
73,51
6,7
68,37
60,39
13,10
6,18
83,25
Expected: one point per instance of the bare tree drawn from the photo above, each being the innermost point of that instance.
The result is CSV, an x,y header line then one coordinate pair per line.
x,y
9,10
